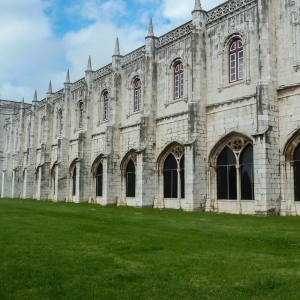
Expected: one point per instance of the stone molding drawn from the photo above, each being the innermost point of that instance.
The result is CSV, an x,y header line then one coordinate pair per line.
x,y
102,72
228,8
175,34
134,56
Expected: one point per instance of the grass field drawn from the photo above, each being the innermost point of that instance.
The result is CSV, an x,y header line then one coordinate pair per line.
x,y
80,251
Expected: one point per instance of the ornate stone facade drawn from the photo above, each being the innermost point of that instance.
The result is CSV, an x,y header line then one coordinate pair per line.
x,y
202,130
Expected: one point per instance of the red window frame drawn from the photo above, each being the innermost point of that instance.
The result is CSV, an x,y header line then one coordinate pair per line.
x,y
236,61
178,81
81,108
137,95
105,106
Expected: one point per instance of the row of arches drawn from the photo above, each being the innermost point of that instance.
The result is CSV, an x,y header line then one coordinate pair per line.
x,y
234,168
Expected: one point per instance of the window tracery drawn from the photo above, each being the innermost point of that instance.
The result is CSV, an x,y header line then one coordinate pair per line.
x,y
235,178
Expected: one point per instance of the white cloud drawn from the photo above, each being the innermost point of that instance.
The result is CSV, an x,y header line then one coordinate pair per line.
x,y
31,54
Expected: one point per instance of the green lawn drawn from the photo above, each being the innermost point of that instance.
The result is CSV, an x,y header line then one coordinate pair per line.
x,y
80,251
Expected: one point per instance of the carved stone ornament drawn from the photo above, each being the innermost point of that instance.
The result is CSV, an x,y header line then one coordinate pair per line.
x,y
175,35
227,8
237,145
178,152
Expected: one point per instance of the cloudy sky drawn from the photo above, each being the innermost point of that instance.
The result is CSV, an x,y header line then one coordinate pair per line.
x,y
41,39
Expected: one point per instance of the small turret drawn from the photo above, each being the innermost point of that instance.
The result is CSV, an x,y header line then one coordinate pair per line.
x,y
67,77
117,47
151,41
89,65
117,58
150,29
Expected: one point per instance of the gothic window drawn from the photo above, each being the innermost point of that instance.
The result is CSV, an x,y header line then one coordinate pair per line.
x,y
28,134
74,181
81,108
105,106
236,61
246,161
99,180
137,95
235,164
297,173
130,179
60,121
178,81
42,133
227,175
174,175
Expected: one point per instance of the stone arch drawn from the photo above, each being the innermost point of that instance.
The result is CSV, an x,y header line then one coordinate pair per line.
x,y
290,145
166,151
98,160
130,155
229,140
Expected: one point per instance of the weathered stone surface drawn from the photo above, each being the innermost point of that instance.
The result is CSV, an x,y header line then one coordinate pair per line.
x,y
58,142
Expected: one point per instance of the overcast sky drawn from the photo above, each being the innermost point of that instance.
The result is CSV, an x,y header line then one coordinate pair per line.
x,y
41,39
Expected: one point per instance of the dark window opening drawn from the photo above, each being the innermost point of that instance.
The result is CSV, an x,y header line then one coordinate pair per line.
x,y
297,173
170,177
99,180
226,175
74,182
247,179
130,179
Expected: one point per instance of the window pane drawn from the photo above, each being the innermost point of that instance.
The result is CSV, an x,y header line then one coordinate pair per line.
x,y
232,67
181,84
232,182
297,180
99,186
130,191
74,182
130,167
170,163
241,64
226,157
297,153
182,183
247,155
247,182
222,181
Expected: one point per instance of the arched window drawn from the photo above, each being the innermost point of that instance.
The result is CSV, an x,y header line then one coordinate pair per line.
x,y
246,162
59,121
105,106
130,179
178,80
43,129
174,176
232,169
297,173
137,95
236,61
99,180
227,188
81,107
74,182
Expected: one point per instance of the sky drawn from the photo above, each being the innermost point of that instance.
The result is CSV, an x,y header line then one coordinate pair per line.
x,y
41,39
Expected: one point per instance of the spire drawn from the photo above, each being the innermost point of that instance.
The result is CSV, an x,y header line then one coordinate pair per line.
x,y
197,5
68,77
50,88
35,96
89,65
23,101
117,47
150,28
